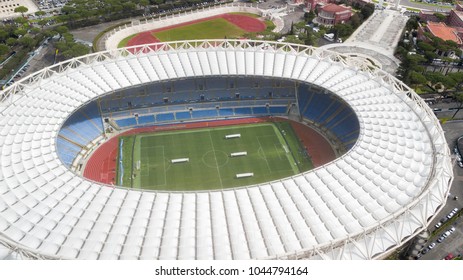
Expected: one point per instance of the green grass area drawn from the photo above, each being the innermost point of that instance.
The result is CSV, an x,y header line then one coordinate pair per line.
x,y
297,149
273,152
246,14
127,144
218,28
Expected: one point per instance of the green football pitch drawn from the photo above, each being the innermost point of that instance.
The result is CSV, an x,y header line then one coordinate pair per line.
x,y
273,151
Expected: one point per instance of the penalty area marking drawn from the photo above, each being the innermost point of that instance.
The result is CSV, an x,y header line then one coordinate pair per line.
x,y
164,170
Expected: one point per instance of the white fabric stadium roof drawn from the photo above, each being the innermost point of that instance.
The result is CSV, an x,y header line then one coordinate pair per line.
x,y
360,206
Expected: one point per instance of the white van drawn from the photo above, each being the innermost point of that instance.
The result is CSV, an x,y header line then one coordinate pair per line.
x,y
329,37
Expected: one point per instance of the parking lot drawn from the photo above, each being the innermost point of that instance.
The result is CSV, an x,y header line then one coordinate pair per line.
x,y
453,244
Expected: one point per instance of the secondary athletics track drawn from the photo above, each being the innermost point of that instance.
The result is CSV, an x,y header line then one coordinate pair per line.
x,y
101,166
247,23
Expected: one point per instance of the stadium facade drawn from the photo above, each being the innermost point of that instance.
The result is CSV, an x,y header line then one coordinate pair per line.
x,y
375,197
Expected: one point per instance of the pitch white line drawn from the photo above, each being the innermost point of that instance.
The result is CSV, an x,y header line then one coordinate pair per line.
x,y
216,162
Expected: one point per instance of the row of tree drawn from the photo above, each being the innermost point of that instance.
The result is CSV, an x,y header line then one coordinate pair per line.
x,y
79,13
21,36
415,54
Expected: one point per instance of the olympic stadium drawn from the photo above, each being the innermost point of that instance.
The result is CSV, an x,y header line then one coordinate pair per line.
x,y
391,177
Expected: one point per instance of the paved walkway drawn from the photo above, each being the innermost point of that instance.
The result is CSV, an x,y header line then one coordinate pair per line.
x,y
376,39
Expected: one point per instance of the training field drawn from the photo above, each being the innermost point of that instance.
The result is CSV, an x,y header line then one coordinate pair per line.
x,y
233,25
273,152
217,28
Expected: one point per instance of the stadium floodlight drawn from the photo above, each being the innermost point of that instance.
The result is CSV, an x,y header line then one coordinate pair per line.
x,y
362,205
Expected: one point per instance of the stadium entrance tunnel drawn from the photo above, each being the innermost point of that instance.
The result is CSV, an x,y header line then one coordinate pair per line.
x,y
175,157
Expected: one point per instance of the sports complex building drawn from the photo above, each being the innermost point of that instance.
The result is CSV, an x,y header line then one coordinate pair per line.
x,y
391,175
390,178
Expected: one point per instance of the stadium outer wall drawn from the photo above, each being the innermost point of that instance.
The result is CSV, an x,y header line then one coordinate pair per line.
x,y
399,133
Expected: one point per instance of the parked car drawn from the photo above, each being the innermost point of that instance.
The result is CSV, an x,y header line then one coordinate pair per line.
x,y
432,245
438,225
449,256
451,230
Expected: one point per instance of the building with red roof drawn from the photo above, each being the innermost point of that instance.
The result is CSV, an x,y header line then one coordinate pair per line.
x,y
441,30
310,5
332,14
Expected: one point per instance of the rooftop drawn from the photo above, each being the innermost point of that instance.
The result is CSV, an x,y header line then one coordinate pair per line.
x,y
333,8
441,30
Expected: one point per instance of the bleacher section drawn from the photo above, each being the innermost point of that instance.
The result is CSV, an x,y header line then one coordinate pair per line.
x,y
67,151
200,98
329,112
78,131
209,89
205,98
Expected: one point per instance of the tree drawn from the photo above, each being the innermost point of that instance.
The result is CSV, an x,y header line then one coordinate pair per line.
x,y
309,17
61,30
417,78
430,56
425,46
21,20
20,32
355,20
410,63
343,30
11,41
76,49
27,42
144,3
34,30
40,14
367,10
42,23
21,9
4,49
412,23
3,35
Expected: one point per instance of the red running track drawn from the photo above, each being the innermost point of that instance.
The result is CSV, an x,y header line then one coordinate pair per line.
x,y
101,166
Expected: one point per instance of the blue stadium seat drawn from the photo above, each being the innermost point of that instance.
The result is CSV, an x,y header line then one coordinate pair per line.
x,y
328,112
148,119
67,151
183,115
316,106
84,125
165,117
74,136
226,112
260,110
126,122
204,113
243,111
339,117
278,110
